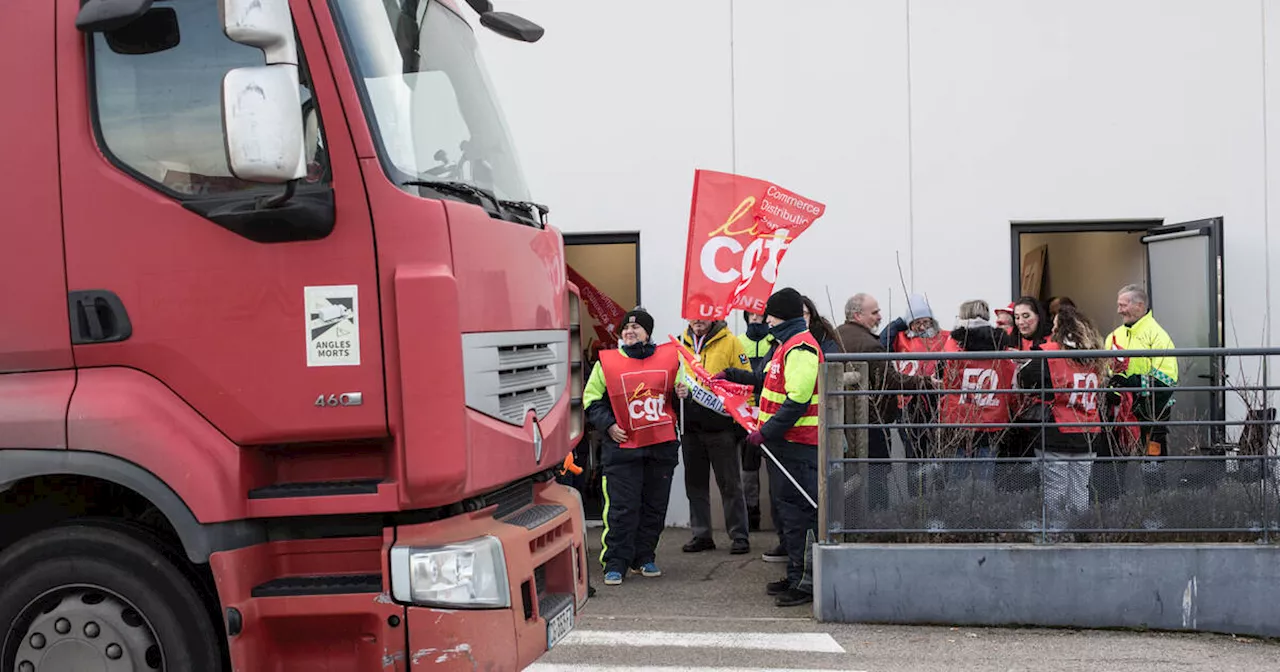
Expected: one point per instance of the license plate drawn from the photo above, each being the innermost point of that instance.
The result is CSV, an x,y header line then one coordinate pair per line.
x,y
559,625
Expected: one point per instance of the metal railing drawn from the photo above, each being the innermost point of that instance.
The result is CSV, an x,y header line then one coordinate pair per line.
x,y
972,481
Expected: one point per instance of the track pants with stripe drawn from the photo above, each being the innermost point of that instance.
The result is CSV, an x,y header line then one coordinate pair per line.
x,y
637,487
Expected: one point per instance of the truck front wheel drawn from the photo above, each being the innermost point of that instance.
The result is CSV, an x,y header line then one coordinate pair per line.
x,y
88,596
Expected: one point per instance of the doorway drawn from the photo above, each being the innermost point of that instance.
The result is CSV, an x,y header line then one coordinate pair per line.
x,y
610,262
1085,265
1180,265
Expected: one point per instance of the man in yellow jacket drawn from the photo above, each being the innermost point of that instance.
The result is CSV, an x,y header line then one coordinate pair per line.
x,y
710,442
1153,378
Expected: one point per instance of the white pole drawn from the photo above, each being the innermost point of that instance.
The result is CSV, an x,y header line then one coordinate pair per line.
x,y
788,475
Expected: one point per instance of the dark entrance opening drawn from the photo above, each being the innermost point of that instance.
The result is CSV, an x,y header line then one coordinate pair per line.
x,y
611,263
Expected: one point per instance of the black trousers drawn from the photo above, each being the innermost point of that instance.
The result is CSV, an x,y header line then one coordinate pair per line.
x,y
705,452
637,487
799,519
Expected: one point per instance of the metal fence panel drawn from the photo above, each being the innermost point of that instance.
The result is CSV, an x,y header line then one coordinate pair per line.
x,y
947,482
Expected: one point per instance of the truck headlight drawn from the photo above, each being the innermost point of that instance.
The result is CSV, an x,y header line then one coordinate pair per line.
x,y
463,574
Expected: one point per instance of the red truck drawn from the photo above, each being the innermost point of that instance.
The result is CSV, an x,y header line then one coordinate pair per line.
x,y
288,358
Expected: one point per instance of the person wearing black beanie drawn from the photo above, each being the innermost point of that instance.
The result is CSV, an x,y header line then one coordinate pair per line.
x,y
641,317
789,408
785,304
630,400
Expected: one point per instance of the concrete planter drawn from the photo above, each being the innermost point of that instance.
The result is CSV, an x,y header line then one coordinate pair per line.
x,y
1226,588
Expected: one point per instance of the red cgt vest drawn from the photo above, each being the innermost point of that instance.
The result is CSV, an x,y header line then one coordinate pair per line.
x,y
975,405
640,394
1080,405
913,367
805,431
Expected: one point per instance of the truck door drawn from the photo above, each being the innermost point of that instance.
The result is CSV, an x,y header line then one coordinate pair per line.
x,y
1184,263
36,375
172,268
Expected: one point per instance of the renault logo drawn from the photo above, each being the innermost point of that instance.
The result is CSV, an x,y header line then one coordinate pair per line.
x,y
537,443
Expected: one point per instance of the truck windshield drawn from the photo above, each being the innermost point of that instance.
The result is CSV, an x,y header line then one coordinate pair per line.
x,y
428,96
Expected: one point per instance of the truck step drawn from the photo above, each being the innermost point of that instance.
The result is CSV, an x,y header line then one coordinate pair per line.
x,y
338,584
317,489
535,516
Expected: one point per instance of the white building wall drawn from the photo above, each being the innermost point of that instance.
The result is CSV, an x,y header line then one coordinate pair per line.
x,y
926,126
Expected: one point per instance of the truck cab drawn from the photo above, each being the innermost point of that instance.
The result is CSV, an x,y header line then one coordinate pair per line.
x,y
287,369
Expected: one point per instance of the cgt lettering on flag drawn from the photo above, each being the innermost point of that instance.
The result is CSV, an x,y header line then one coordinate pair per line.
x,y
740,228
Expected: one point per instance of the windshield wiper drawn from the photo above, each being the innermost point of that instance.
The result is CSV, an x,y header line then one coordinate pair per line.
x,y
460,188
529,207
480,195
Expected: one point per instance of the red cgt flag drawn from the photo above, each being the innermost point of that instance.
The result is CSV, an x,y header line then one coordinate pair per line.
x,y
607,313
737,398
739,231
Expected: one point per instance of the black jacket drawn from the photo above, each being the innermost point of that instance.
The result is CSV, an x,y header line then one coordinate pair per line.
x,y
980,339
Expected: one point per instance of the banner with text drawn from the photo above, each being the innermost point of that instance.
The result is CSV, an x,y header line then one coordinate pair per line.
x,y
734,399
606,312
739,230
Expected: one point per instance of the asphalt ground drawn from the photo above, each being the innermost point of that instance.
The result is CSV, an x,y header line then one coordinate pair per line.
x,y
709,611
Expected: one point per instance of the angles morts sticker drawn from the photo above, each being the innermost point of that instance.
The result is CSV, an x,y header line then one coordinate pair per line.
x,y
333,330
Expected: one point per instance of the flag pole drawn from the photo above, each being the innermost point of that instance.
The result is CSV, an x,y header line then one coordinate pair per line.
x,y
788,475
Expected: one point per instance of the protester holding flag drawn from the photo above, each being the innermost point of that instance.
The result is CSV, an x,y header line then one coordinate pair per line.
x,y
629,400
740,229
709,442
789,408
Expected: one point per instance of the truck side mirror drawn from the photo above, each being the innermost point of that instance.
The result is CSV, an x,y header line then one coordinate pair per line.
x,y
262,118
512,26
100,16
265,24
262,106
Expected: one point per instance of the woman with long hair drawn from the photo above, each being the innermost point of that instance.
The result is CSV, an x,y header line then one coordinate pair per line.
x,y
1068,451
823,331
1032,324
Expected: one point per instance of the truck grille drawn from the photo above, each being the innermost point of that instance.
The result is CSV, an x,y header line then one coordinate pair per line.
x,y
510,499
512,372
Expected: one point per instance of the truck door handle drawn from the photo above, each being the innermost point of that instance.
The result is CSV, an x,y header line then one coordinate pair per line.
x,y
98,316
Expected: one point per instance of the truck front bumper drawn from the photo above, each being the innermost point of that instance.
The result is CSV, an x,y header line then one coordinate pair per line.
x,y
546,569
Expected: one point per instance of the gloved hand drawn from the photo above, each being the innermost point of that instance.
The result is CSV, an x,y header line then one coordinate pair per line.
x,y
719,376
755,438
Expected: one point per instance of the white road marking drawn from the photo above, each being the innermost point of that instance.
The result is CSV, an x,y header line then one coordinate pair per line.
x,y
546,667
549,667
814,642
749,619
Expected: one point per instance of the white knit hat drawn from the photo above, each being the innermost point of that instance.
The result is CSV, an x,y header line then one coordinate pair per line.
x,y
917,307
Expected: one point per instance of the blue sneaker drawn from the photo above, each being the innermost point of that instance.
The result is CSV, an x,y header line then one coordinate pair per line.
x,y
648,569
612,578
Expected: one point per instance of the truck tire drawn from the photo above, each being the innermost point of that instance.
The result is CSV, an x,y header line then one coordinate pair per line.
x,y
89,595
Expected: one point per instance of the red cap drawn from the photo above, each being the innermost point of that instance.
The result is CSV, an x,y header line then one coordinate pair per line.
x,y
1007,309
